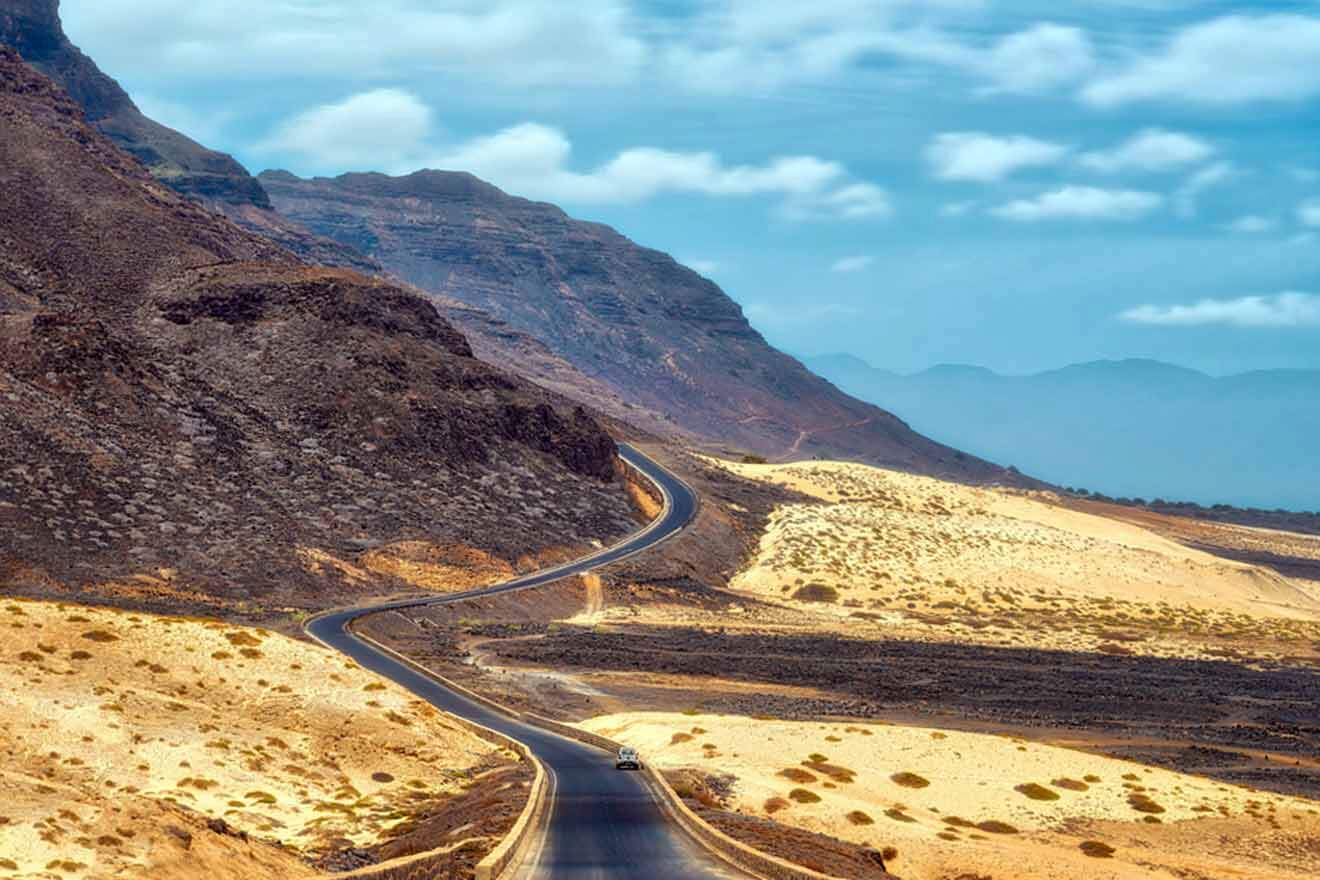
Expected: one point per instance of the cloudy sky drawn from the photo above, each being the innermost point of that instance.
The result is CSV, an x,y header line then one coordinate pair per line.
x,y
1016,184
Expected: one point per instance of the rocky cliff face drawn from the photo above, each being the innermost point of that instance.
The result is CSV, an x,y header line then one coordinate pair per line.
x,y
189,414
33,29
657,334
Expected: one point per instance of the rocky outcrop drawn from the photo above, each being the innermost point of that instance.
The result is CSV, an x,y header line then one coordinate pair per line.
x,y
186,408
217,180
660,337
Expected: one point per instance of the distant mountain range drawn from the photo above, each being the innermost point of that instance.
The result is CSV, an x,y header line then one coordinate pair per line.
x,y
1131,428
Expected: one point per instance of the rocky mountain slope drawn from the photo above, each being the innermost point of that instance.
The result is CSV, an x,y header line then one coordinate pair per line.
x,y
188,414
661,336
33,28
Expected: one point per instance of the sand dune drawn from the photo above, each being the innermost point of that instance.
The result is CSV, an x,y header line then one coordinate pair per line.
x,y
967,804
123,733
901,549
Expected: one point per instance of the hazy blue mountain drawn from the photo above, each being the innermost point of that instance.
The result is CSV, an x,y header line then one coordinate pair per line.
x,y
1139,428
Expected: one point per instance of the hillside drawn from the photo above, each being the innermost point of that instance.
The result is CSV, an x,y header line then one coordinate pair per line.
x,y
1124,428
192,417
167,748
658,334
33,28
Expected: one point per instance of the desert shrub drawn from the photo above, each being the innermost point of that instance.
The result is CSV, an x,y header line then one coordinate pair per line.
x,y
898,815
817,593
754,459
680,738
261,797
1091,778
29,657
381,777
1070,784
958,822
775,804
1143,804
995,827
80,655
817,758
833,771
802,796
1097,850
909,780
243,640
100,635
857,817
798,775
222,655
374,686
1036,792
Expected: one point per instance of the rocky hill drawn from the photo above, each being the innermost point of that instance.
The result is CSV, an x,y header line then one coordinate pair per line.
x,y
658,334
189,415
33,28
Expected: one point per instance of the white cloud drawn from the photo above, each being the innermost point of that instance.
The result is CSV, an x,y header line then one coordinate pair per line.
x,y
958,209
1308,213
740,45
357,133
702,267
1185,199
1228,60
849,265
1082,203
1290,309
1152,149
981,157
392,130
1252,223
1037,59
518,42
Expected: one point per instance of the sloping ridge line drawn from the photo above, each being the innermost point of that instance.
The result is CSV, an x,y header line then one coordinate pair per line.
x,y
530,821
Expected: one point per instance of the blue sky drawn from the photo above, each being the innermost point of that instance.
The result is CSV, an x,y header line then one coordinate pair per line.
x,y
1020,185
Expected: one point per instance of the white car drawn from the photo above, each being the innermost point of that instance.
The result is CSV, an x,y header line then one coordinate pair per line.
x,y
628,759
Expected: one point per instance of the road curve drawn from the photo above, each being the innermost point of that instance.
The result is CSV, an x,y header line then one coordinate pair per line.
x,y
603,823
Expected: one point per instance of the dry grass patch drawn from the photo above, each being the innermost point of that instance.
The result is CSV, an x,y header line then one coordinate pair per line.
x,y
1097,850
910,780
1036,792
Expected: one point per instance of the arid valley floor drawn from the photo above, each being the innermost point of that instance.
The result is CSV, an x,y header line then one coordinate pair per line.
x,y
990,682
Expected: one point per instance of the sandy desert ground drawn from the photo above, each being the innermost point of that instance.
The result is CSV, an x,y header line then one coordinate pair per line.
x,y
158,747
1001,567
958,804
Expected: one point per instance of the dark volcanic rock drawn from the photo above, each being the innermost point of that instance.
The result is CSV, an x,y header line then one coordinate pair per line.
x,y
190,415
33,28
656,333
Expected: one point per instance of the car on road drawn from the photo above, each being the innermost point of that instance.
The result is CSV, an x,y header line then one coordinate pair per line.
x,y
628,759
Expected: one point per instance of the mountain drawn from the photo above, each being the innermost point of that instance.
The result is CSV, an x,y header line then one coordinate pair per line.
x,y
190,414
33,28
1133,428
657,334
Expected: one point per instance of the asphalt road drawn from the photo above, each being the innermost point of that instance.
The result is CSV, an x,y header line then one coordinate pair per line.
x,y
603,823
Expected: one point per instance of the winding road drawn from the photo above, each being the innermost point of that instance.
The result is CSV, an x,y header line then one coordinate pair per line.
x,y
602,823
